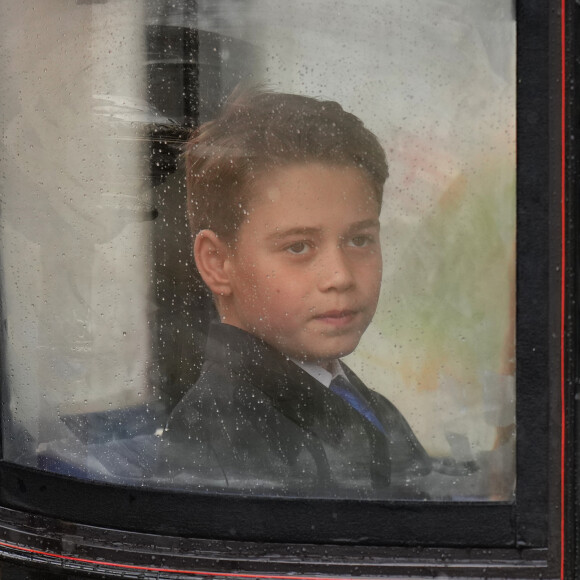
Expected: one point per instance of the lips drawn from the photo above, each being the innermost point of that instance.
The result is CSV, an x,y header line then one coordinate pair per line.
x,y
337,318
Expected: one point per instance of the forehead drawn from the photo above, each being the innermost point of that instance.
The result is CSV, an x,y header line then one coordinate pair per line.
x,y
313,187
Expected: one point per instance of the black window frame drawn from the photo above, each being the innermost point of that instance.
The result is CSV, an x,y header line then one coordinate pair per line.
x,y
63,519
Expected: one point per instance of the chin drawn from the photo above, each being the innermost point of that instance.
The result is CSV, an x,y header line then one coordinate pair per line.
x,y
316,351
337,353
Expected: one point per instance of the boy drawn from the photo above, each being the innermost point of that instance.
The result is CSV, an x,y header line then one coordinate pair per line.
x,y
284,196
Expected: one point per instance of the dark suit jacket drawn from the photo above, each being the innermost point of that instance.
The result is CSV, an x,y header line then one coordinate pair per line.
x,y
255,422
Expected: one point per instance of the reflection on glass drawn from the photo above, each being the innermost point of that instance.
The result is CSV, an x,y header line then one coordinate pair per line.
x,y
105,316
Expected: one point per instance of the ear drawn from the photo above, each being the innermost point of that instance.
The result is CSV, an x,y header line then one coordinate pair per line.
x,y
211,255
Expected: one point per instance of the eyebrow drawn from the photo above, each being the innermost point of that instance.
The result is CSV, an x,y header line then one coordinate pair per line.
x,y
364,224
305,231
294,232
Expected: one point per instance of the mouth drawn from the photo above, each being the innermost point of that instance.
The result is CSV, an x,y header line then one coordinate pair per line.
x,y
337,318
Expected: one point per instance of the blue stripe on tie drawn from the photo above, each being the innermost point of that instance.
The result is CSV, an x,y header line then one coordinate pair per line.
x,y
344,389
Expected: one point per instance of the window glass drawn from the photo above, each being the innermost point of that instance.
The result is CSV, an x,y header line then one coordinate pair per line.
x,y
108,371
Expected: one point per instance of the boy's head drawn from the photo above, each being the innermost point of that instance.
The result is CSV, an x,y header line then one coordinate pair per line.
x,y
284,195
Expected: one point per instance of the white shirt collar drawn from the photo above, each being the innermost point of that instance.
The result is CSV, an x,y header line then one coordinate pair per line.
x,y
320,374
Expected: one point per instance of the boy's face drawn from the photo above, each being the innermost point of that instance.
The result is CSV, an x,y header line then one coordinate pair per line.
x,y
305,269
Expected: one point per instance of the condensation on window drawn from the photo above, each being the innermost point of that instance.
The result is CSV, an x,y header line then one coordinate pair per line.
x,y
105,317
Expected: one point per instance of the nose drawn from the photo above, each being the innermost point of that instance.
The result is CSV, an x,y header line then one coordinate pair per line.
x,y
336,272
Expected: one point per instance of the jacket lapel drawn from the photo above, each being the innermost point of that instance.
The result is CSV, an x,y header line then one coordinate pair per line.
x,y
292,391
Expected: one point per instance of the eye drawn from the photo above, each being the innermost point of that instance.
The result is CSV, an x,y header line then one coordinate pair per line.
x,y
298,248
361,241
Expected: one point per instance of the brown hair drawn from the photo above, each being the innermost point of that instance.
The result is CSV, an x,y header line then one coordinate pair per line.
x,y
259,131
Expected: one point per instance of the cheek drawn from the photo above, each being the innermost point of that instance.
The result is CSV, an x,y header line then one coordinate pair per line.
x,y
279,294
284,301
269,291
373,282
283,291
372,270
378,274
